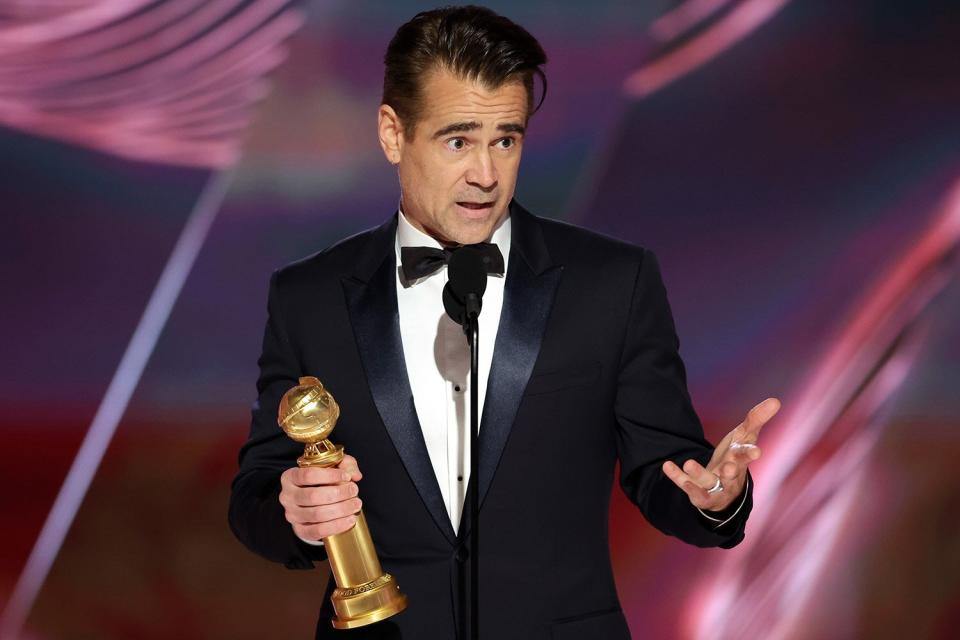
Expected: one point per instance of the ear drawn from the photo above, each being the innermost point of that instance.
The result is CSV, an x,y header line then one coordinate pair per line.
x,y
390,132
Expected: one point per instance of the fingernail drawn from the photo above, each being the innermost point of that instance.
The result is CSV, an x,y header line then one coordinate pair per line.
x,y
346,476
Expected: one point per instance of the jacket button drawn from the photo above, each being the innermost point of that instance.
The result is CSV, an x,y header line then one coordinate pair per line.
x,y
462,555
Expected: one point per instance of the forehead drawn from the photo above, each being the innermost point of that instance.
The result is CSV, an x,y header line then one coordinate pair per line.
x,y
447,98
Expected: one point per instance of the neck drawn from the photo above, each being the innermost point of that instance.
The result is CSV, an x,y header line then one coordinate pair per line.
x,y
422,228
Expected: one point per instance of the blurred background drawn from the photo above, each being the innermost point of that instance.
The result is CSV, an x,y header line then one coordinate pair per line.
x,y
795,166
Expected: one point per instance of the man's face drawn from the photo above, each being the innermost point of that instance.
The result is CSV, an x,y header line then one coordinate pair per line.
x,y
458,173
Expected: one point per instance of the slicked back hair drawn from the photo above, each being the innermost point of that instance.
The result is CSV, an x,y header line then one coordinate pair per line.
x,y
471,42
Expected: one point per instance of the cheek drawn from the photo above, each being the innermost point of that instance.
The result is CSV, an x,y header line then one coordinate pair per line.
x,y
439,175
507,170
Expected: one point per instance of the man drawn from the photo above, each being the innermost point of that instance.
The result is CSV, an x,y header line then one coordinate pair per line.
x,y
579,368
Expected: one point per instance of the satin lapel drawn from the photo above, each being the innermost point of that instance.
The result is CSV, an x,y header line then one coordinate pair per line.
x,y
528,295
373,312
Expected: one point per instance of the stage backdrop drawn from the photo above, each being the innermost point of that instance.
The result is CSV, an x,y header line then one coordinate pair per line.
x,y
794,165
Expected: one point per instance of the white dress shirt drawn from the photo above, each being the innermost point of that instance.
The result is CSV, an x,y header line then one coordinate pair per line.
x,y
438,361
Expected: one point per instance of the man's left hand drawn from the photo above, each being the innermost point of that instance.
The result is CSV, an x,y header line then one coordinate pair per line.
x,y
728,463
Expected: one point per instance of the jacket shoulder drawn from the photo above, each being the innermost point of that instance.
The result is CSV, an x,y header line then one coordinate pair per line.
x,y
570,243
336,261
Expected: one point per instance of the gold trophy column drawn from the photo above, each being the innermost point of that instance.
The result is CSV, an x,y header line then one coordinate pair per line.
x,y
364,593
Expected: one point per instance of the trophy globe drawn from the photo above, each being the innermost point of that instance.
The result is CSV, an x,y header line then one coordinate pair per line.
x,y
308,414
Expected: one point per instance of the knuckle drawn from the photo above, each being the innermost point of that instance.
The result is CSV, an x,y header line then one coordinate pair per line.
x,y
299,476
311,476
315,475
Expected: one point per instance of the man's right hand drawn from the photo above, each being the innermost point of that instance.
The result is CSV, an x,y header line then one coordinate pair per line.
x,y
320,502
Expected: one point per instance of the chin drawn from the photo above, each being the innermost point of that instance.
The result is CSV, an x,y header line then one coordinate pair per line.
x,y
472,234
474,230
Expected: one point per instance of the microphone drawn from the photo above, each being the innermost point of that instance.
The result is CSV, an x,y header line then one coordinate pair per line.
x,y
467,280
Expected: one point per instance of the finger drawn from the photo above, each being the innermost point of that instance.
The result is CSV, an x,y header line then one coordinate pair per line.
x,y
286,479
730,477
730,473
349,463
698,474
324,529
745,450
315,476
325,513
756,418
328,494
741,455
697,494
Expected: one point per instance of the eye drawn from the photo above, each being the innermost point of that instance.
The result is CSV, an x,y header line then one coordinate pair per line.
x,y
506,143
456,144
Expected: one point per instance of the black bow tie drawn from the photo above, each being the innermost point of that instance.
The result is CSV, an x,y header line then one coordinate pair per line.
x,y
418,262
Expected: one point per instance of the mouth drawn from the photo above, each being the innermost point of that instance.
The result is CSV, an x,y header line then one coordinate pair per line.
x,y
476,206
475,210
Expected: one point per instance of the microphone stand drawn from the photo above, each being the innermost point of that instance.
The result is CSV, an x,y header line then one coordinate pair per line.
x,y
462,300
472,328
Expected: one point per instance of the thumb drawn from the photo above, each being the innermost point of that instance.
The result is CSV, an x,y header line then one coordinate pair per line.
x,y
349,463
760,414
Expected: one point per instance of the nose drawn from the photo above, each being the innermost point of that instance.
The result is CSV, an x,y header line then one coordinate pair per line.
x,y
482,173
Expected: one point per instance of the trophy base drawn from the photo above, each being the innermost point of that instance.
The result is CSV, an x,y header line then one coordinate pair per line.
x,y
367,603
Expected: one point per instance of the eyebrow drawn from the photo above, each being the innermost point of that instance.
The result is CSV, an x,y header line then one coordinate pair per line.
x,y
463,127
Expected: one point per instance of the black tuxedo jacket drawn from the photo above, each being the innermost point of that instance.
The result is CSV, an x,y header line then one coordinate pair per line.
x,y
585,373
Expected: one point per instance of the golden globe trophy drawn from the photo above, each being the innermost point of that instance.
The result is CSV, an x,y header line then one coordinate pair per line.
x,y
364,593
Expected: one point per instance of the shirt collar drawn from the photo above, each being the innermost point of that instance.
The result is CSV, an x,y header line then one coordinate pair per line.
x,y
410,236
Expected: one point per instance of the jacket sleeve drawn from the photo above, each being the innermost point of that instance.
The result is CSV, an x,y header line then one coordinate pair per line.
x,y
256,516
656,420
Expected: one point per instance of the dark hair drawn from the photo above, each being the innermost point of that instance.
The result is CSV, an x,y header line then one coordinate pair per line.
x,y
471,42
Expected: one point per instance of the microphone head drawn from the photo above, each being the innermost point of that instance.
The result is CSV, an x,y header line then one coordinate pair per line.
x,y
466,272
454,307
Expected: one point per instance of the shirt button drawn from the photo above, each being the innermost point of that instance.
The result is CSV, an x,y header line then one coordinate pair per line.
x,y
457,388
459,478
